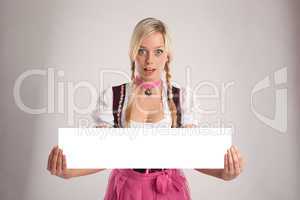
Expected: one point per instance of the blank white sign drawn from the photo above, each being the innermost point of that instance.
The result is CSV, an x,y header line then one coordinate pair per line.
x,y
144,147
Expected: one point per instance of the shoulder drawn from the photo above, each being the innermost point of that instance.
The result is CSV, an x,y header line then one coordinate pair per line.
x,y
115,88
119,86
119,90
177,91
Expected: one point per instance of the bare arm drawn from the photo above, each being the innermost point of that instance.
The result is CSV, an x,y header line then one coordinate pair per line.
x,y
57,165
233,166
212,172
80,172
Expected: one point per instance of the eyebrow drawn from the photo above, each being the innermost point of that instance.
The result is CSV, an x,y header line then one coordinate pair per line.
x,y
154,47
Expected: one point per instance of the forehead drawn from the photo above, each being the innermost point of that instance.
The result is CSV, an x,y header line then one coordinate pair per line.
x,y
154,40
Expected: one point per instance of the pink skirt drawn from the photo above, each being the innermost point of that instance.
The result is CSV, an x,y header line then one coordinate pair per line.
x,y
127,184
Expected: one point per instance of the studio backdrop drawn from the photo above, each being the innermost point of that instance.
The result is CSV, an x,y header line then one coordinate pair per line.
x,y
241,57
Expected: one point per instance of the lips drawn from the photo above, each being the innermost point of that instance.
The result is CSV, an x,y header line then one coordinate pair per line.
x,y
149,69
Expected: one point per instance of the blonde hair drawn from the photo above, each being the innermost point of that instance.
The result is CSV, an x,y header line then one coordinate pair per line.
x,y
143,29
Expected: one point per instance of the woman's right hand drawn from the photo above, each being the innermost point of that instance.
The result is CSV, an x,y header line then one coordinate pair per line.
x,y
57,164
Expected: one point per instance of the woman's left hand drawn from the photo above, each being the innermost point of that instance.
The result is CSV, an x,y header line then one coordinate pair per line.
x,y
234,164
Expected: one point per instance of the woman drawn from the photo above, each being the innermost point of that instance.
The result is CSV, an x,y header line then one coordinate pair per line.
x,y
149,100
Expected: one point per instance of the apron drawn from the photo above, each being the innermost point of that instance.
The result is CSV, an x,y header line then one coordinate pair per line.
x,y
127,184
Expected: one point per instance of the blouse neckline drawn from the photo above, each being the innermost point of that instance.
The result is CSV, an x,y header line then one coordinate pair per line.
x,y
165,119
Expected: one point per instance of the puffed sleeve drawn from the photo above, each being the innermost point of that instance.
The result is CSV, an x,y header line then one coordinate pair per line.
x,y
187,114
102,115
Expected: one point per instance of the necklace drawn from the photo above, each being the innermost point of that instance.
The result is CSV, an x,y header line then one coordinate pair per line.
x,y
147,86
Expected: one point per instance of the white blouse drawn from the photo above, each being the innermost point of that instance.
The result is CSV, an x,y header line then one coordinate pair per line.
x,y
103,114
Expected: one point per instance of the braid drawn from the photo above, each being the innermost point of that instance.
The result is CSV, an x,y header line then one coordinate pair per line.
x,y
171,103
132,70
129,105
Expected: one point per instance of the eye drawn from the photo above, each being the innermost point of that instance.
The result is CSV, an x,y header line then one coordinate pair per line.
x,y
158,52
142,51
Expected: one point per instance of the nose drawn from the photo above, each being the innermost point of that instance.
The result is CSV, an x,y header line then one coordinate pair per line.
x,y
150,58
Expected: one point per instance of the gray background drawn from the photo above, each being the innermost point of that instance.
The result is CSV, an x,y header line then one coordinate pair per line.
x,y
221,41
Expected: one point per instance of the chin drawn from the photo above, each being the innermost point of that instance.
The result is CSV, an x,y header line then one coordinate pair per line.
x,y
150,78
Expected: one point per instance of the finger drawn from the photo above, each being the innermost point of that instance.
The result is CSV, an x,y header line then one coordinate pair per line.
x,y
238,152
49,160
241,160
230,162
226,169
54,161
59,162
235,161
64,162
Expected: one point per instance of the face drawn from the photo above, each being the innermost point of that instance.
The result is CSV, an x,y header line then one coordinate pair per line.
x,y
151,57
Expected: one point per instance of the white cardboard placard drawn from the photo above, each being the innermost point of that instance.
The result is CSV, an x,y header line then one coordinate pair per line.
x,y
145,147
